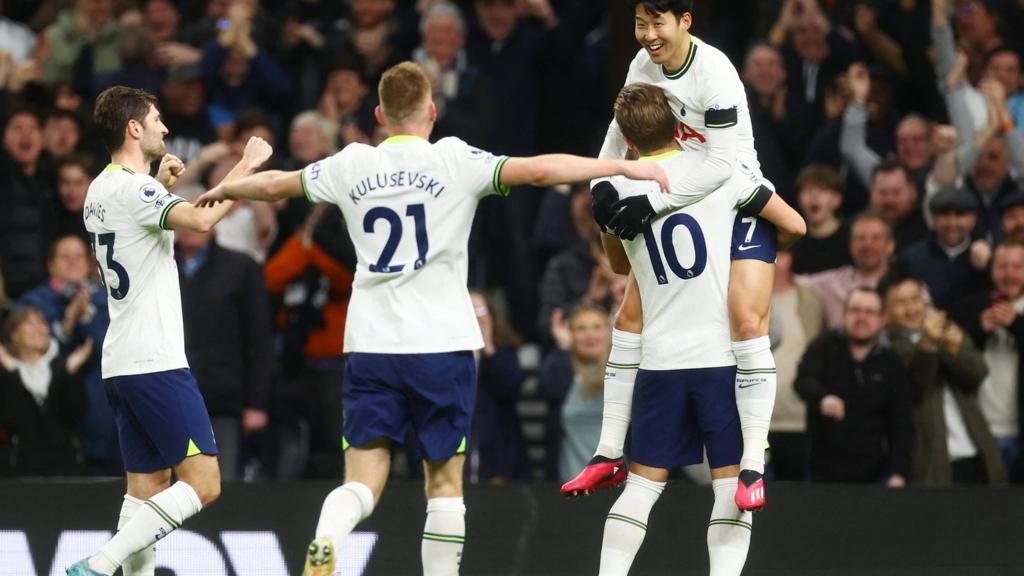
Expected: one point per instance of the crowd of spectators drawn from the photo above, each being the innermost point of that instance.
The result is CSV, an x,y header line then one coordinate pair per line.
x,y
897,128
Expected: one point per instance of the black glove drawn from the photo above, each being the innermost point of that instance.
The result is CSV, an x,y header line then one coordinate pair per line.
x,y
603,195
632,214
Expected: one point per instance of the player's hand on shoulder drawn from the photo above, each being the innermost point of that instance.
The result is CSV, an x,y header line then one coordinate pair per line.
x,y
257,151
171,168
647,170
631,216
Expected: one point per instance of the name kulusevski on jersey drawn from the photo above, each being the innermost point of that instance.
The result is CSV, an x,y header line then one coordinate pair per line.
x,y
125,214
409,205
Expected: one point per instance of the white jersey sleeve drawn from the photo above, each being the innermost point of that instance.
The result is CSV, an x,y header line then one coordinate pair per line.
x,y
477,169
147,201
324,180
721,96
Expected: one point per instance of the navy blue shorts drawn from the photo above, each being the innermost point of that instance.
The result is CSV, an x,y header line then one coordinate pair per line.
x,y
678,413
754,238
386,394
161,419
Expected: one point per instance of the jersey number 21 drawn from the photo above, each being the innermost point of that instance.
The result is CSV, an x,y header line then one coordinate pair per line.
x,y
419,216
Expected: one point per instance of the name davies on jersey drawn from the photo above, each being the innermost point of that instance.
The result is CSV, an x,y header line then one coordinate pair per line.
x,y
95,210
400,179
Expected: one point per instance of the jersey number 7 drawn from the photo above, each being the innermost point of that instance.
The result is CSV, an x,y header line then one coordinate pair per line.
x,y
700,250
418,213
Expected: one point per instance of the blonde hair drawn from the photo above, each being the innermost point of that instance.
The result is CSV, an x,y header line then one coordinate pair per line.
x,y
645,117
404,91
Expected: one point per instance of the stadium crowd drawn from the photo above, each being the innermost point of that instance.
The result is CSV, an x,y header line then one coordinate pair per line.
x,y
896,127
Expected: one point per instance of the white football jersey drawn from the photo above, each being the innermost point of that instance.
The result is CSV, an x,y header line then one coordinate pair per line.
x,y
682,263
125,215
409,207
705,95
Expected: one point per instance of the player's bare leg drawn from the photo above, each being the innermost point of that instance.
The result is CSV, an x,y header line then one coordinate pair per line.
x,y
606,468
444,532
730,527
158,515
750,287
626,524
366,472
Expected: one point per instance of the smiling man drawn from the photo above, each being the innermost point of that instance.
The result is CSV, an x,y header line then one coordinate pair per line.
x,y
709,104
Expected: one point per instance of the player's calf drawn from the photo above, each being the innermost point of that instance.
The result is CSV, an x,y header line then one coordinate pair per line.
x,y
728,530
444,532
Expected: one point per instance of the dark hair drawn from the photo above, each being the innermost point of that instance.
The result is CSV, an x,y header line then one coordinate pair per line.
x,y
897,275
645,117
820,176
655,7
24,109
51,253
887,166
1007,243
252,118
1002,49
115,107
13,321
57,113
81,159
348,62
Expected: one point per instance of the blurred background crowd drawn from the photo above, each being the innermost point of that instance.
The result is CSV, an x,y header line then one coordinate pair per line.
x,y
896,127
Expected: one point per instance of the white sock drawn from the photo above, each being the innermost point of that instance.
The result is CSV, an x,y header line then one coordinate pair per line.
x,y
619,377
154,519
346,506
444,533
755,397
143,562
728,531
626,525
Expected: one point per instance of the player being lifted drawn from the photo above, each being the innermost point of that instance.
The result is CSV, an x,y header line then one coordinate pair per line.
x,y
409,205
708,100
685,397
162,422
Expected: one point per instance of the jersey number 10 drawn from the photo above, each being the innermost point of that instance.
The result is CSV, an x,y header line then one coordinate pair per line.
x,y
700,250
107,241
419,216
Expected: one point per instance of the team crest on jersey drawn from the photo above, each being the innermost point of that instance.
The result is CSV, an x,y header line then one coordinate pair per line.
x,y
476,153
148,193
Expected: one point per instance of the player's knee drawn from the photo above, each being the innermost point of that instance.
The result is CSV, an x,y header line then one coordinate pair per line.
x,y
629,321
444,483
209,491
747,327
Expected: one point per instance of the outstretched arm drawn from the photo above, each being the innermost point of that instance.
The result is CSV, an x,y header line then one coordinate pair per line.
x,y
202,219
551,169
269,186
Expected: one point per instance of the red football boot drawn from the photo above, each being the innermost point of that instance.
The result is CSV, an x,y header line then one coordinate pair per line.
x,y
750,491
600,473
